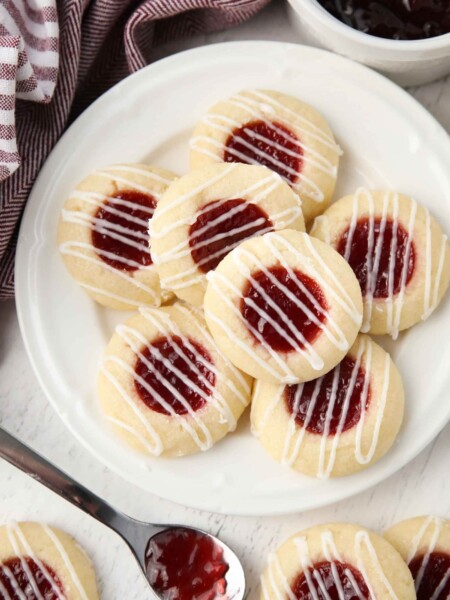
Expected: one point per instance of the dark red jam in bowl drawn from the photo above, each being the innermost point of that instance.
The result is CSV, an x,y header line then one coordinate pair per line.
x,y
269,144
435,573
121,230
174,368
14,578
393,19
393,249
214,234
183,564
323,585
278,306
349,389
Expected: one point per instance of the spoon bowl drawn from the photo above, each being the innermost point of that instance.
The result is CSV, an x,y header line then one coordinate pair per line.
x,y
136,534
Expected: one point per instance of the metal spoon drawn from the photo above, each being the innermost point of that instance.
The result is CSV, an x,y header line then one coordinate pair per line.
x,y
135,534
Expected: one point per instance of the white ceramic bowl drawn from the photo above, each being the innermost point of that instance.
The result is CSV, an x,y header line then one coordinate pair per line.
x,y
407,62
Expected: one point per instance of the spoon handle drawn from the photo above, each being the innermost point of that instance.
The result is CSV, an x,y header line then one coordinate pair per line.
x,y
25,459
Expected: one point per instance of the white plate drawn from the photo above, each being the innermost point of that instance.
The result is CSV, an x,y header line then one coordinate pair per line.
x,y
388,139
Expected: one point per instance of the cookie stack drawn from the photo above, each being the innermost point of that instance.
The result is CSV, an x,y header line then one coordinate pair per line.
x,y
249,295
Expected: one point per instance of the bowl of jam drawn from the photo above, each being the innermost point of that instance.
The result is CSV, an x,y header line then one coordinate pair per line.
x,y
408,40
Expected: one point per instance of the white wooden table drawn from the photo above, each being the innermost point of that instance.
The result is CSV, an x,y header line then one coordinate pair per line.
x,y
421,487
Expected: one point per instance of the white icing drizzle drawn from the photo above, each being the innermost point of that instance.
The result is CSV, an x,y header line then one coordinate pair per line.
x,y
395,302
434,524
236,372
381,406
69,566
258,429
134,169
205,185
362,538
295,434
337,337
280,587
184,422
295,337
427,288
158,445
336,289
156,449
283,372
103,292
129,183
215,399
286,329
437,281
192,421
3,592
14,584
253,194
441,586
22,550
73,248
134,239
399,300
263,107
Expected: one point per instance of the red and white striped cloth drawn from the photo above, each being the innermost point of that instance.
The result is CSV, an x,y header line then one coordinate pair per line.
x,y
56,57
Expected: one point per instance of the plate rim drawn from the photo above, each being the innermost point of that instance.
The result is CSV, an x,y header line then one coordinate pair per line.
x,y
22,286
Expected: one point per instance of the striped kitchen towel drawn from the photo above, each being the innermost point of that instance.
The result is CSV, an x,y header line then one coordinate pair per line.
x,y
56,57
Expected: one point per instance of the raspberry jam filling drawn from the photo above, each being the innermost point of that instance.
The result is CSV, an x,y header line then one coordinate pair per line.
x,y
269,144
16,577
172,370
222,225
183,564
343,386
392,19
120,235
434,580
321,583
285,311
381,268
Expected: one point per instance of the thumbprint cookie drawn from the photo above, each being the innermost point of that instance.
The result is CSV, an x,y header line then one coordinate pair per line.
x,y
337,424
398,252
165,386
41,562
277,131
103,235
336,561
424,543
284,307
208,212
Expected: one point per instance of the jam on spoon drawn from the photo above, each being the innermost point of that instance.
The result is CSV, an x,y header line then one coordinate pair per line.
x,y
185,564
393,19
197,565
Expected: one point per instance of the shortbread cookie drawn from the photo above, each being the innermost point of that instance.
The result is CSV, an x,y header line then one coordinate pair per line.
x,y
283,307
103,235
43,563
208,212
276,131
335,425
166,387
336,561
398,252
424,543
